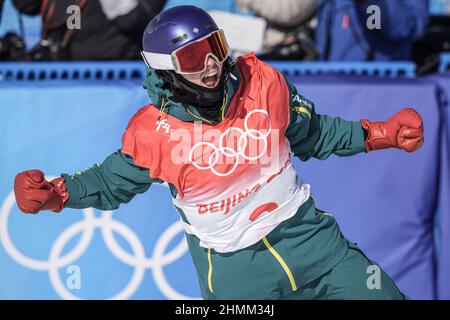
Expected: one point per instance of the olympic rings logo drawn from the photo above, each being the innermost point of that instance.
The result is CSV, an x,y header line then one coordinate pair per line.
x,y
108,226
229,152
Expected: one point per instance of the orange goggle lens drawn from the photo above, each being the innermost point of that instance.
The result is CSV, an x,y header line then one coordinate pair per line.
x,y
192,58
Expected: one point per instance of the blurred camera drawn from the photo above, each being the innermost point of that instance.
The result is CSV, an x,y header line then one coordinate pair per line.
x,y
12,48
48,50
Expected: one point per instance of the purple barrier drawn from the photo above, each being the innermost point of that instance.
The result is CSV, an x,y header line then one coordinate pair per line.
x,y
443,203
385,200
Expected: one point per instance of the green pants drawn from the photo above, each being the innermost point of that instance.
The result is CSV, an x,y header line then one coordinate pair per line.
x,y
354,278
305,257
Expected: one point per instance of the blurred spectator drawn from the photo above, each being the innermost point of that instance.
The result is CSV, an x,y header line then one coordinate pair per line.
x,y
288,36
222,5
110,29
342,32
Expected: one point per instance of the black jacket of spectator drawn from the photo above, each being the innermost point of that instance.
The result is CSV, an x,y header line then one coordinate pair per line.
x,y
104,35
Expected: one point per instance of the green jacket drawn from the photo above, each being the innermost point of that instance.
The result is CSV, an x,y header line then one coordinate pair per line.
x,y
118,179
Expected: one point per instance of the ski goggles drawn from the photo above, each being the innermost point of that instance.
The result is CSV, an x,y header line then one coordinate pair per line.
x,y
193,57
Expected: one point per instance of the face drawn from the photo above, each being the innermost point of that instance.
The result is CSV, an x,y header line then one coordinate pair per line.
x,y
210,77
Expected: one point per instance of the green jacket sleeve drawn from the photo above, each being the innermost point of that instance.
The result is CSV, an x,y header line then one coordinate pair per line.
x,y
105,186
315,135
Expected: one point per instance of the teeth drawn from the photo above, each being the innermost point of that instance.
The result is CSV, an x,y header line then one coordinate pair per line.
x,y
210,74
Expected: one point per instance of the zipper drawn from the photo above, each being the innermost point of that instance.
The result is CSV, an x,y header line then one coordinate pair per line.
x,y
282,263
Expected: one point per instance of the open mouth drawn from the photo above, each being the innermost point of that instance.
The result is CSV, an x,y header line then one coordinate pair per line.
x,y
211,78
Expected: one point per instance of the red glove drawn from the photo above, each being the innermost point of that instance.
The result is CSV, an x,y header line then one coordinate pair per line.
x,y
34,193
404,130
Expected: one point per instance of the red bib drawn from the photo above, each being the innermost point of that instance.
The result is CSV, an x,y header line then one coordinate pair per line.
x,y
235,180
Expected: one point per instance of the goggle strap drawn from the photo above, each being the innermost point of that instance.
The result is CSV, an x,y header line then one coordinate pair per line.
x,y
158,61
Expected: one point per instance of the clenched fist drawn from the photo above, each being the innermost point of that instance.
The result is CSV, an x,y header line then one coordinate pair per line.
x,y
404,130
34,193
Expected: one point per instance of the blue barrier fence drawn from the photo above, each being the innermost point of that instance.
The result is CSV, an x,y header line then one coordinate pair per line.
x,y
84,71
135,70
386,201
381,69
445,63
